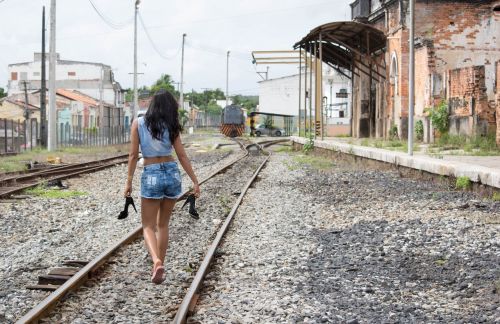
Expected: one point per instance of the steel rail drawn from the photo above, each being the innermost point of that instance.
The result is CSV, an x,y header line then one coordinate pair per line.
x,y
46,305
183,309
57,169
77,169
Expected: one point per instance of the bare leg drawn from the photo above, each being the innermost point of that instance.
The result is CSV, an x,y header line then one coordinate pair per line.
x,y
166,207
149,210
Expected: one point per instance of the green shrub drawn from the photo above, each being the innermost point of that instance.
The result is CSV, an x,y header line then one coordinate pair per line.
x,y
419,130
309,145
393,132
439,116
463,183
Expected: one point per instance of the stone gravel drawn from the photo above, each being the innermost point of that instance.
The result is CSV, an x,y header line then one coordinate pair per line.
x,y
345,244
123,291
39,233
354,245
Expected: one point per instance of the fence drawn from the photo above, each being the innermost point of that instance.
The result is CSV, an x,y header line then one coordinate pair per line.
x,y
15,137
79,136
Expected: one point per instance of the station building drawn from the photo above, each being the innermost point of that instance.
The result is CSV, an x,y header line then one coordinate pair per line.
x,y
456,61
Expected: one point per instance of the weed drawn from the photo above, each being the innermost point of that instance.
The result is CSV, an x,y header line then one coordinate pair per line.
x,y
285,149
365,142
43,192
439,116
496,196
314,161
419,130
441,262
463,183
393,132
309,145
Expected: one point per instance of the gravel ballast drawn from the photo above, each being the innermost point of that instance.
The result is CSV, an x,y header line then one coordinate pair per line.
x,y
39,233
311,243
347,245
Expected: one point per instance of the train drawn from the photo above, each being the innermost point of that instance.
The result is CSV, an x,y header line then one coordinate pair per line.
x,y
233,121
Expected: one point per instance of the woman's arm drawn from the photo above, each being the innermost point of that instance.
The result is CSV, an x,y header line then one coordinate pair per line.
x,y
132,157
186,164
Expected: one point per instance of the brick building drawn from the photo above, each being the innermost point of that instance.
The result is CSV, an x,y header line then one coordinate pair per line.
x,y
457,60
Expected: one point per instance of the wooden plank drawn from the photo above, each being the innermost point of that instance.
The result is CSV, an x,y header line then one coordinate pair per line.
x,y
43,287
64,271
52,279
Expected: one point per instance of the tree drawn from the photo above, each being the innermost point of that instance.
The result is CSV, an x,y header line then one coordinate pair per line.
x,y
248,102
164,83
2,93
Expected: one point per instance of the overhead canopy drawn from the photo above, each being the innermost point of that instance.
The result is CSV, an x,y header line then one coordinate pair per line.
x,y
346,45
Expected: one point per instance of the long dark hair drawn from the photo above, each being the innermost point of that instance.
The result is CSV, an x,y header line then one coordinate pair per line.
x,y
163,114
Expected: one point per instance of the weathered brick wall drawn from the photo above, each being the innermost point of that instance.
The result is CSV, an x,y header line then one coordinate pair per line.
x,y
462,34
497,64
467,93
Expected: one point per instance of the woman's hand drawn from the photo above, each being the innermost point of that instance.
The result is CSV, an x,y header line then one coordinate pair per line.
x,y
128,189
196,190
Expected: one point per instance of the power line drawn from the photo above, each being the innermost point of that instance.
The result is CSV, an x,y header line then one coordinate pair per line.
x,y
110,23
166,57
243,15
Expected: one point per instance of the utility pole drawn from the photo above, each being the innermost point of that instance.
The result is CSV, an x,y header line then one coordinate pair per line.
x,y
136,97
101,107
227,79
181,99
43,86
52,139
27,124
411,96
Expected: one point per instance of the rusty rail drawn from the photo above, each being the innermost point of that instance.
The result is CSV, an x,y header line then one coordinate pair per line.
x,y
189,298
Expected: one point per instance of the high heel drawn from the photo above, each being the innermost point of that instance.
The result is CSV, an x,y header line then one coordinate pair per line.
x,y
191,199
124,213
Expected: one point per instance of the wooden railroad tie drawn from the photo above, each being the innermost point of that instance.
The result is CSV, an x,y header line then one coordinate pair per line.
x,y
58,276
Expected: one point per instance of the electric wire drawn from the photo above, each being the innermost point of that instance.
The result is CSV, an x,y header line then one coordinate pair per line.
x,y
166,57
108,21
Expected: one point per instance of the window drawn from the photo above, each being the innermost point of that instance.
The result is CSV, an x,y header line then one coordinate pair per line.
x,y
13,76
35,74
71,73
23,76
394,72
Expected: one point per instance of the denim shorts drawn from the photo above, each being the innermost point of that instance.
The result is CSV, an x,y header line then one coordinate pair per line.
x,y
161,180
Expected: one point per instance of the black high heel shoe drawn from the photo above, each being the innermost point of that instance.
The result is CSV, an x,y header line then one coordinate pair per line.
x,y
192,209
124,212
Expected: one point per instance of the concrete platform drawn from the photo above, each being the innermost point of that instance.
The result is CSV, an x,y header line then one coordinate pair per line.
x,y
485,170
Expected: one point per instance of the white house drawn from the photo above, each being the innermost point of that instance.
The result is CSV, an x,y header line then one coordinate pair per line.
x,y
281,96
93,79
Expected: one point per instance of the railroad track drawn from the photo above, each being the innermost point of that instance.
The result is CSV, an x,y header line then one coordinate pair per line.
x,y
17,183
88,270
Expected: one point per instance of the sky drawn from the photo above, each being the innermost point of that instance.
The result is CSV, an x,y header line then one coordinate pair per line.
x,y
213,27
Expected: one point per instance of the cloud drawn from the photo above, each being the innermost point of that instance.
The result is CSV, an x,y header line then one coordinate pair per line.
x,y
212,28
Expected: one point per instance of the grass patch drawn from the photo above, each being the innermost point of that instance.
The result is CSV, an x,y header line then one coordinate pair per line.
x,y
284,149
18,162
40,191
393,145
315,162
496,196
441,262
463,183
474,145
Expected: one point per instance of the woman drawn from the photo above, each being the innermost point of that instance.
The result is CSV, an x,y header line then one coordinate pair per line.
x,y
157,132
